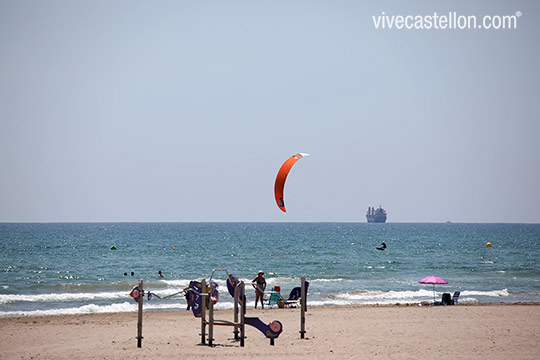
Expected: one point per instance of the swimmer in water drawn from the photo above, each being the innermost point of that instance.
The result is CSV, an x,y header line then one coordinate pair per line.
x,y
383,246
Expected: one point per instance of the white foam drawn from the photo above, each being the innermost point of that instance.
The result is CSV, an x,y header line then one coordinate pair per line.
x,y
220,279
365,296
329,302
503,292
179,283
315,299
8,298
327,280
468,300
73,296
174,286
85,309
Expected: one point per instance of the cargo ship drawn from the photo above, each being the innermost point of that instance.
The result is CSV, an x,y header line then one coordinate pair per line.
x,y
376,215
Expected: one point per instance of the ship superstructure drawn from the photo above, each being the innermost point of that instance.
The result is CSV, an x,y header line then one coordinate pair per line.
x,y
376,215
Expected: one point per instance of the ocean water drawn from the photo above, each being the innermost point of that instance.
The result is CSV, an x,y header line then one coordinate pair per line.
x,y
69,268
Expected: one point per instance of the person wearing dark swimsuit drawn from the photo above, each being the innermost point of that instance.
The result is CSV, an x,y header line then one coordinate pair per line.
x,y
259,283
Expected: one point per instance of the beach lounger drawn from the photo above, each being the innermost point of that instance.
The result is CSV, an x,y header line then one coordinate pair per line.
x,y
294,296
455,297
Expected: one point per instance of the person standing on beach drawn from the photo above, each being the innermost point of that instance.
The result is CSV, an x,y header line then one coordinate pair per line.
x,y
259,283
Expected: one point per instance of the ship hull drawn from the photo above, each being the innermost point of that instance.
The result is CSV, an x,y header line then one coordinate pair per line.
x,y
376,219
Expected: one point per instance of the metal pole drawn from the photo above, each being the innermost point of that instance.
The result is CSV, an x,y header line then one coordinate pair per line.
x,y
203,312
210,316
242,314
139,317
303,306
236,312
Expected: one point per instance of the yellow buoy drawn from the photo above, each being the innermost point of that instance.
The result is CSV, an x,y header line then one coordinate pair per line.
x,y
488,244
174,248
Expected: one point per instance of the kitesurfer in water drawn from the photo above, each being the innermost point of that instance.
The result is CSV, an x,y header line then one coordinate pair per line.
x,y
383,246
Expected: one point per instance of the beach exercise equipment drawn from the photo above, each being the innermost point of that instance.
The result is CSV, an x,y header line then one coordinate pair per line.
x,y
303,306
202,298
236,289
298,296
137,293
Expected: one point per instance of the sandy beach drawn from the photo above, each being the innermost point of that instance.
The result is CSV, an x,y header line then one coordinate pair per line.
x,y
492,331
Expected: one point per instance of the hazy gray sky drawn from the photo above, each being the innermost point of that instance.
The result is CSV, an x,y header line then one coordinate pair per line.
x,y
185,110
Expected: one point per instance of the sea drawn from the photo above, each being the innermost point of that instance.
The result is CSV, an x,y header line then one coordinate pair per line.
x,y
81,268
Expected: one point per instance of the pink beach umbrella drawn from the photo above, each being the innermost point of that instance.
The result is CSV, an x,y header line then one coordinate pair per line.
x,y
433,280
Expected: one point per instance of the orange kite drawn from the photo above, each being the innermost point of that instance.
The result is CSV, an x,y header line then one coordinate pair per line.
x,y
282,176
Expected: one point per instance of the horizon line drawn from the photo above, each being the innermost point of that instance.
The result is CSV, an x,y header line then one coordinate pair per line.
x,y
255,222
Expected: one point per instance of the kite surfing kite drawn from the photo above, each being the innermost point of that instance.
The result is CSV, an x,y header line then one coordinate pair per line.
x,y
282,176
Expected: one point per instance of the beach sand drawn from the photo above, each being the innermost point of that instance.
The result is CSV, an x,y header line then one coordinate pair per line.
x,y
489,331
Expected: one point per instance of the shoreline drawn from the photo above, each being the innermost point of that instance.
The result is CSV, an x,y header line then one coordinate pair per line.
x,y
411,304
480,331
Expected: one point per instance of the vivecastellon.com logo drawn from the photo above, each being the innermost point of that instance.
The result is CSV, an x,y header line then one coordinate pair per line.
x,y
448,21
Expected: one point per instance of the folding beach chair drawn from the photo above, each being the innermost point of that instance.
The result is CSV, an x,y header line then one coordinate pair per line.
x,y
455,297
272,299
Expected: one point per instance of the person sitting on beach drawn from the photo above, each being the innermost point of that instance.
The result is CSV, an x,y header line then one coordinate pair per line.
x,y
159,274
259,283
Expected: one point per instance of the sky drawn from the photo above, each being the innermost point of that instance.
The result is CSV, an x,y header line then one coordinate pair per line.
x,y
185,110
